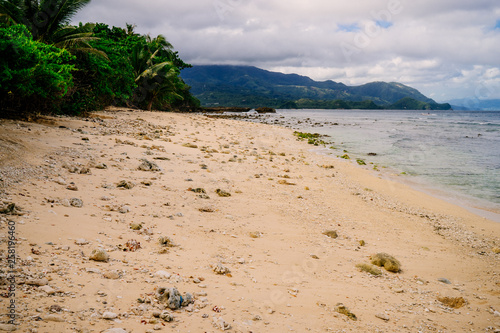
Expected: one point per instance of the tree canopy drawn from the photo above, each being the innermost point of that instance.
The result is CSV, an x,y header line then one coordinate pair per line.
x,y
104,66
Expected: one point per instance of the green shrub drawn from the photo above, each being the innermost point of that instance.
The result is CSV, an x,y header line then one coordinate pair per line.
x,y
35,77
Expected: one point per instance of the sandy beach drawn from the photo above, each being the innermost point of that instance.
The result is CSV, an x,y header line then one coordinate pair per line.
x,y
255,232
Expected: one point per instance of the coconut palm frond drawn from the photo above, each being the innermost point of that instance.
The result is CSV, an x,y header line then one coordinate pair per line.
x,y
61,12
10,12
77,39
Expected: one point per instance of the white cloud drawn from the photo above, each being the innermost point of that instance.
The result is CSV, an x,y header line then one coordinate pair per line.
x,y
445,48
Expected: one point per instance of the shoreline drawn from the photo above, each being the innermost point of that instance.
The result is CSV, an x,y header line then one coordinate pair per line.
x,y
244,207
479,206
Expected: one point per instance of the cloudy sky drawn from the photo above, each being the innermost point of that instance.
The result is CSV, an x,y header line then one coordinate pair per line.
x,y
445,48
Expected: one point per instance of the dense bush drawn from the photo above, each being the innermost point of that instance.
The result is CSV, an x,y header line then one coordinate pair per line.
x,y
34,75
75,69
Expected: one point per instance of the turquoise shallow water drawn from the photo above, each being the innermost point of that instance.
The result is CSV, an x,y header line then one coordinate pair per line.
x,y
454,151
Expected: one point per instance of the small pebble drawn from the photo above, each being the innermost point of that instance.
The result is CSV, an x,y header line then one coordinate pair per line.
x,y
444,280
382,316
109,315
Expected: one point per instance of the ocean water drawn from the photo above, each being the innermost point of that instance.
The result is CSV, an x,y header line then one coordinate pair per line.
x,y
454,152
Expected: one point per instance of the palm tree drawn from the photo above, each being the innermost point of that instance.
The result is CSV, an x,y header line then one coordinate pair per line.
x,y
48,20
159,43
158,83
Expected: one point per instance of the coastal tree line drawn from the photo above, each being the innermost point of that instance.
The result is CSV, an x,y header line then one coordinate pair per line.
x,y
50,66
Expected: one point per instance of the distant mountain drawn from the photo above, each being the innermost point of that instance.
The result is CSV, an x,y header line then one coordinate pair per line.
x,y
247,86
476,104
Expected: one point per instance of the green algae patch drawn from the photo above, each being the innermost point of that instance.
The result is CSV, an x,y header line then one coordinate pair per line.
x,y
387,261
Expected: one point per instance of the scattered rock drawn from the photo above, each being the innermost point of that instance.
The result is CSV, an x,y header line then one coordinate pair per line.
x,y
255,234
99,255
112,275
444,280
221,324
163,274
93,270
81,241
11,209
85,171
75,202
387,261
48,289
257,318
221,269
132,245
8,327
165,241
109,315
124,209
369,269
342,309
167,316
54,318
197,190
453,302
148,166
136,226
38,282
189,145
382,316
125,184
265,110
72,187
101,166
187,299
55,308
330,233
115,330
60,181
222,193
173,298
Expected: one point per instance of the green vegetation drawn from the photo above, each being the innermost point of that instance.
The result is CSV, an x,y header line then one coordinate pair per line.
x,y
48,21
369,269
49,66
332,104
246,86
342,309
303,135
34,74
408,103
312,138
387,261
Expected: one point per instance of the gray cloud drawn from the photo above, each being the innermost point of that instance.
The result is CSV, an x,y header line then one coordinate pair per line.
x,y
445,48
